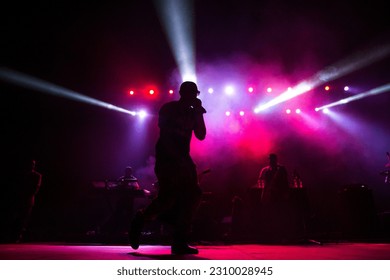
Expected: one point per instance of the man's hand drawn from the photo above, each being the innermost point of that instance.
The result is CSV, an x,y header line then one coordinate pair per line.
x,y
197,106
192,104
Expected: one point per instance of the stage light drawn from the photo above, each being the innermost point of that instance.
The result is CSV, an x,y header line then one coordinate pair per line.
x,y
377,90
210,90
337,70
227,113
288,111
242,113
49,88
131,92
269,90
298,111
170,91
327,88
326,111
142,114
229,90
346,88
250,89
151,92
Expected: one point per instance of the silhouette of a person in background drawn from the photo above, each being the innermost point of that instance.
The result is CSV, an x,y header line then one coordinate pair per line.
x,y
128,180
386,173
273,179
121,201
28,187
179,190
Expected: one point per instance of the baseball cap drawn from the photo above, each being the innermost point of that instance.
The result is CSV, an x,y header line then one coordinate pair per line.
x,y
188,87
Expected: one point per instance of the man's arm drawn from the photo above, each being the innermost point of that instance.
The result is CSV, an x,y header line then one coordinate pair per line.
x,y
200,126
260,180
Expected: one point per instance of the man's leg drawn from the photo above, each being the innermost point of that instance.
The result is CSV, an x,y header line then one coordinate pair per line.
x,y
162,203
186,208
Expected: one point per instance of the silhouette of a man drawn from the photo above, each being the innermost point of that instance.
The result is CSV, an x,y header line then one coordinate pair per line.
x,y
31,181
273,179
175,170
128,180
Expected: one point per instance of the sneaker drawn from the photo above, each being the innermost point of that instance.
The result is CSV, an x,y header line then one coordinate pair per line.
x,y
184,250
135,230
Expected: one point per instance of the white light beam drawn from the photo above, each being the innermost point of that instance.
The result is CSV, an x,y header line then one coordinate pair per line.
x,y
49,88
337,70
378,90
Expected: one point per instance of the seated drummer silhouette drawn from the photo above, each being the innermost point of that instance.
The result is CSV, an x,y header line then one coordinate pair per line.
x,y
128,180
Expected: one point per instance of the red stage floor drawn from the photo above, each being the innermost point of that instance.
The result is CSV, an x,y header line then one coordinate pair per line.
x,y
327,251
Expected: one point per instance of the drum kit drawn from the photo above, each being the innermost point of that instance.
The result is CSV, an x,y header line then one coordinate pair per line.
x,y
386,173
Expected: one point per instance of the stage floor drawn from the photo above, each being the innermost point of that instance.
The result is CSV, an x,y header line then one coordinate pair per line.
x,y
311,251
